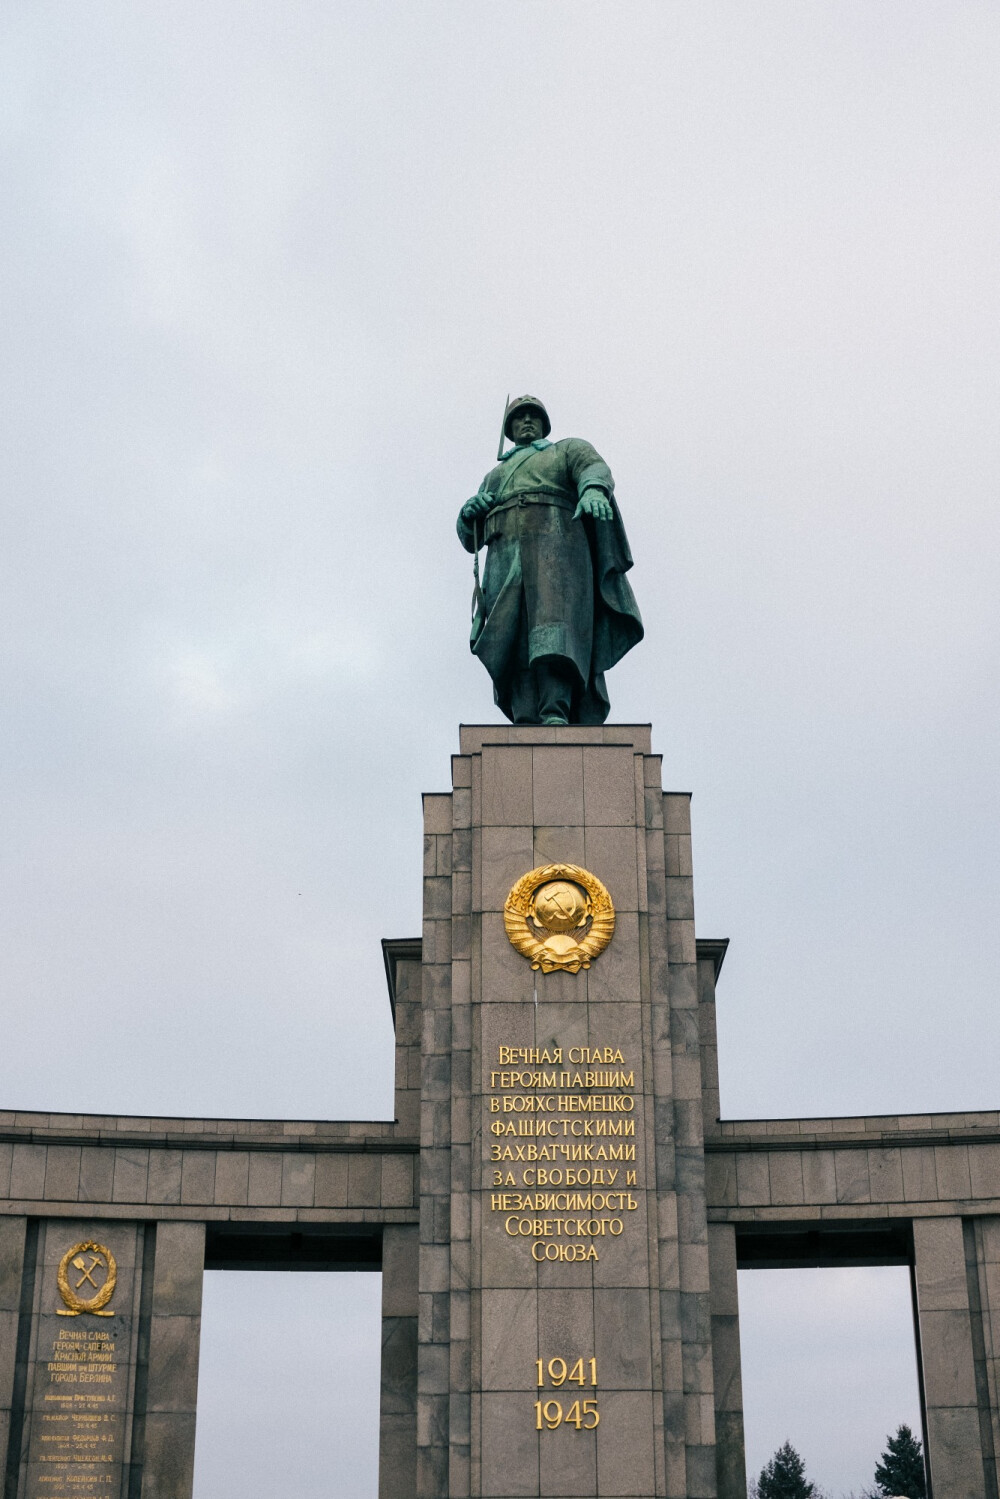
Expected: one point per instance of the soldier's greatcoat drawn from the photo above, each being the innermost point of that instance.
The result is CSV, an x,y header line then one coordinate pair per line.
x,y
553,586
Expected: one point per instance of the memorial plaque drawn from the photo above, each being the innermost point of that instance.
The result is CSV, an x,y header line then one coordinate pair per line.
x,y
81,1376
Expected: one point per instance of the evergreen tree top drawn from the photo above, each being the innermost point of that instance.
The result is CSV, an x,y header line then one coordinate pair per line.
x,y
901,1470
784,1477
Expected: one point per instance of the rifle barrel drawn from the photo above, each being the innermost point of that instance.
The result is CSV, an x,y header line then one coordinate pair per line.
x,y
503,424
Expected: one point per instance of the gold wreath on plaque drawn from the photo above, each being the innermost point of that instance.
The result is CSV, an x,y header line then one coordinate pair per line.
x,y
85,1264
559,916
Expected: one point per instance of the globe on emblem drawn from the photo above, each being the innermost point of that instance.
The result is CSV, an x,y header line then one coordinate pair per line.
x,y
559,906
559,916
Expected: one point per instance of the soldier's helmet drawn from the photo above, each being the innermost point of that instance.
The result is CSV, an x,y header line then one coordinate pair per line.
x,y
518,404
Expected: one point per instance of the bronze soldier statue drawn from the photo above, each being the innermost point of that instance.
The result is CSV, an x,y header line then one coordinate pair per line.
x,y
555,610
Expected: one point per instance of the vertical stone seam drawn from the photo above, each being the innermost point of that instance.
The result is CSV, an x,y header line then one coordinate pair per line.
x,y
665,1136
662,1157
435,1193
640,828
147,1268
649,898
649,1168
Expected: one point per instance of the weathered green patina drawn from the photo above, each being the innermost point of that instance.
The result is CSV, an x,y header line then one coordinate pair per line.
x,y
556,610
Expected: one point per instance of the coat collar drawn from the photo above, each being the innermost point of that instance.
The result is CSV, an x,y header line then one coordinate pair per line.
x,y
540,444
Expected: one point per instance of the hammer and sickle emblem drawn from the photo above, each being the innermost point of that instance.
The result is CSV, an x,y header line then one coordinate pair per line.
x,y
556,899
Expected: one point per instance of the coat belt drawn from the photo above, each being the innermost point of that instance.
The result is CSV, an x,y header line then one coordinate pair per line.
x,y
557,497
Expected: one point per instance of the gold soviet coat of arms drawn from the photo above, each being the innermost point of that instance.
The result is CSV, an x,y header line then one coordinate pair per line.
x,y
560,917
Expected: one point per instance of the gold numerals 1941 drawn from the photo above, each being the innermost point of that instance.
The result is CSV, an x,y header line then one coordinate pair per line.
x,y
556,1372
559,1371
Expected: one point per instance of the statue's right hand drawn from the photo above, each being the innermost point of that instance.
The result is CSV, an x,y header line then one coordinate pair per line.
x,y
477,506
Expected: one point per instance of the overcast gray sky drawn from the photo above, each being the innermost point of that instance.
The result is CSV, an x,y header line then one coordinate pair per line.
x,y
269,272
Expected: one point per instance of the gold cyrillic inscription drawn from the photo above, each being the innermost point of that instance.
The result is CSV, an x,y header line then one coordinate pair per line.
x,y
548,1135
77,1430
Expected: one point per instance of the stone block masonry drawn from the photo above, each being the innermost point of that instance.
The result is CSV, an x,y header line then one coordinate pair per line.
x,y
564,1326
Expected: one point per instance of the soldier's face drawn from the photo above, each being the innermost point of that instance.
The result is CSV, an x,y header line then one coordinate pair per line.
x,y
526,425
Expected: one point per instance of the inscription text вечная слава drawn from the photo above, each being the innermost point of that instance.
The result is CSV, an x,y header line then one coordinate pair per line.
x,y
560,1146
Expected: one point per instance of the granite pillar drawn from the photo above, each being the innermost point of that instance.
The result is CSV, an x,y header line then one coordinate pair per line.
x,y
99,1357
564,1328
165,1458
73,1411
397,1471
951,1401
982,1266
730,1452
12,1270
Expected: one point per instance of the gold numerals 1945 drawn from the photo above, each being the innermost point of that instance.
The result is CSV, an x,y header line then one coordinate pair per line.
x,y
556,1372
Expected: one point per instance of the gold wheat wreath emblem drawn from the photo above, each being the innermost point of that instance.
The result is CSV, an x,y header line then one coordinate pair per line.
x,y
81,1266
560,917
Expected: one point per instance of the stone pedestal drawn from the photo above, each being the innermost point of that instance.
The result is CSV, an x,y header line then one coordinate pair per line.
x,y
564,1333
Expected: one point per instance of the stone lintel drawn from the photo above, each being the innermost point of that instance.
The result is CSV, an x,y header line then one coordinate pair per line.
x,y
313,1143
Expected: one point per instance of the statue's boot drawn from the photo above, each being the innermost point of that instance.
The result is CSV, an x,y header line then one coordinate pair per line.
x,y
555,691
542,693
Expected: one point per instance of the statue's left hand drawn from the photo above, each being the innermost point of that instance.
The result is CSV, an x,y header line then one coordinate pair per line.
x,y
595,503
